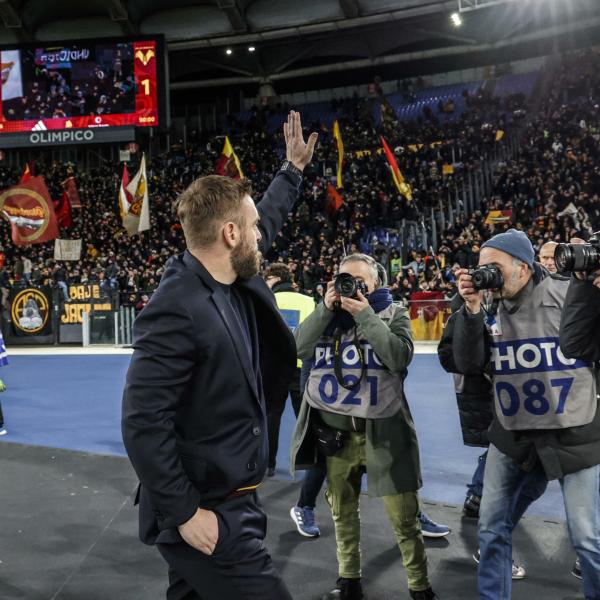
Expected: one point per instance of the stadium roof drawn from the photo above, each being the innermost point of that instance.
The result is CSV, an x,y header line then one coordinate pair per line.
x,y
324,42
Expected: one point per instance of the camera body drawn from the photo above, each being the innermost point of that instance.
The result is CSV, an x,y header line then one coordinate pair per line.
x,y
348,286
487,277
579,257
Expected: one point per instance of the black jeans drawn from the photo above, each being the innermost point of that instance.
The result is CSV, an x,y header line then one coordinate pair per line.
x,y
1,416
240,567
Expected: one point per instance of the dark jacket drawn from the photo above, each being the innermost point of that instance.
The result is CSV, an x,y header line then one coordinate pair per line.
x,y
561,451
580,322
474,393
194,405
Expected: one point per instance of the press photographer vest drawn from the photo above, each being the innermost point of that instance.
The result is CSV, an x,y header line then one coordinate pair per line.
x,y
379,395
535,386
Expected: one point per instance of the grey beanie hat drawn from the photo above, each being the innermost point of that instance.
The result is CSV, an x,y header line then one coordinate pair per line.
x,y
515,243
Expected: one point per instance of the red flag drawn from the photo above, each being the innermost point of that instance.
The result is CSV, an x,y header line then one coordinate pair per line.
x,y
334,200
30,211
397,176
26,174
62,209
70,186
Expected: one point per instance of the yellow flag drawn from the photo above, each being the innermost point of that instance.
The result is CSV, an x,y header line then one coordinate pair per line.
x,y
228,163
340,144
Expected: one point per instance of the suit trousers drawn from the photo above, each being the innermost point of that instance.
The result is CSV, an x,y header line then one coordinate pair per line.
x,y
240,567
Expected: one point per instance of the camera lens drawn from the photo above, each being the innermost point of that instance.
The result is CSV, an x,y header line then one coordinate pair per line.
x,y
347,288
487,278
563,257
577,257
345,285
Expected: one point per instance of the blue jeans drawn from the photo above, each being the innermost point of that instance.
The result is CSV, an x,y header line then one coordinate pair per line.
x,y
530,491
476,485
504,503
315,476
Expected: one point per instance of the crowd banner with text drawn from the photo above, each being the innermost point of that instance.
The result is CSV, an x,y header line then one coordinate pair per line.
x,y
67,249
83,297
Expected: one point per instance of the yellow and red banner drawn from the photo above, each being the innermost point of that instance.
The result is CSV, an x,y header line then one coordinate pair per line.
x,y
27,175
229,164
397,176
134,202
29,209
498,216
337,136
427,315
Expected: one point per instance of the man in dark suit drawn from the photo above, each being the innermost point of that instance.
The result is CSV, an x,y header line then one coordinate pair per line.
x,y
211,352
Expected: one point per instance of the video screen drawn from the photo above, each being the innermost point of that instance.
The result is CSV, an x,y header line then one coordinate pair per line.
x,y
99,83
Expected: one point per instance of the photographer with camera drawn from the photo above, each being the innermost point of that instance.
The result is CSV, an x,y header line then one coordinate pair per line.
x,y
354,412
545,424
579,328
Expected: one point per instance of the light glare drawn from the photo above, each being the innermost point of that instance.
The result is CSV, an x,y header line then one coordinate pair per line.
x,y
456,19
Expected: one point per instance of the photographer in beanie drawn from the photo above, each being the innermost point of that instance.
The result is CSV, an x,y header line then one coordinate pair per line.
x,y
546,424
355,414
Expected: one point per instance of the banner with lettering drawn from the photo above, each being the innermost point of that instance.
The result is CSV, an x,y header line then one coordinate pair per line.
x,y
83,297
67,249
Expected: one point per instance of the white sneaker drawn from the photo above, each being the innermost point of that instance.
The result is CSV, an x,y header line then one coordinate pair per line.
x,y
518,572
3,431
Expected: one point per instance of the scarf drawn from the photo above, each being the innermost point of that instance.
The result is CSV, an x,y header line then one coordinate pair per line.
x,y
379,300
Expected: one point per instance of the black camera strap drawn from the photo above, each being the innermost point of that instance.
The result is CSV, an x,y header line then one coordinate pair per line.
x,y
337,358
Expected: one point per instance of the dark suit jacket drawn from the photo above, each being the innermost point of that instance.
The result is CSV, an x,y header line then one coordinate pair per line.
x,y
194,405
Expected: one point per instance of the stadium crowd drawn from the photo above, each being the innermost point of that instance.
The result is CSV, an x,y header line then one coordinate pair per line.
x,y
552,187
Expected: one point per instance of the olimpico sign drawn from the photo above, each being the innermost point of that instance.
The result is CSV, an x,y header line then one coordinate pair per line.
x,y
63,137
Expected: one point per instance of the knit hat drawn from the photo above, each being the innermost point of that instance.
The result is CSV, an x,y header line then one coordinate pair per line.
x,y
515,243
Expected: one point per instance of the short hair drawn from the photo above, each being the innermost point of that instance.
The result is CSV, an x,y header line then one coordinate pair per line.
x,y
550,244
280,270
205,204
379,273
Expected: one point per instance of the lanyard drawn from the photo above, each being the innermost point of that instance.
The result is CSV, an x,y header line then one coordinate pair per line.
x,y
337,358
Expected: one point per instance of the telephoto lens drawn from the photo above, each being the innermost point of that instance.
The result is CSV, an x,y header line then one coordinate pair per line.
x,y
574,258
487,277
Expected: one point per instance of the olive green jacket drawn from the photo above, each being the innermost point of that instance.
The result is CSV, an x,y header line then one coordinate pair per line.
x,y
392,452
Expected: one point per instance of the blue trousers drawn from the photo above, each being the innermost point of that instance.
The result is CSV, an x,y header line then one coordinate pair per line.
x,y
502,506
315,476
476,485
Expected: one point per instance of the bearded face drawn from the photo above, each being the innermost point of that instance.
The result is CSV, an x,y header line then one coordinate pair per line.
x,y
246,258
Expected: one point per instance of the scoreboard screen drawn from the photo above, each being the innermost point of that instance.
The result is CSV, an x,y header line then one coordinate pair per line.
x,y
81,85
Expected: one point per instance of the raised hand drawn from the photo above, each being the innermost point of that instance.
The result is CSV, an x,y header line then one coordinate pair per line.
x,y
297,151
